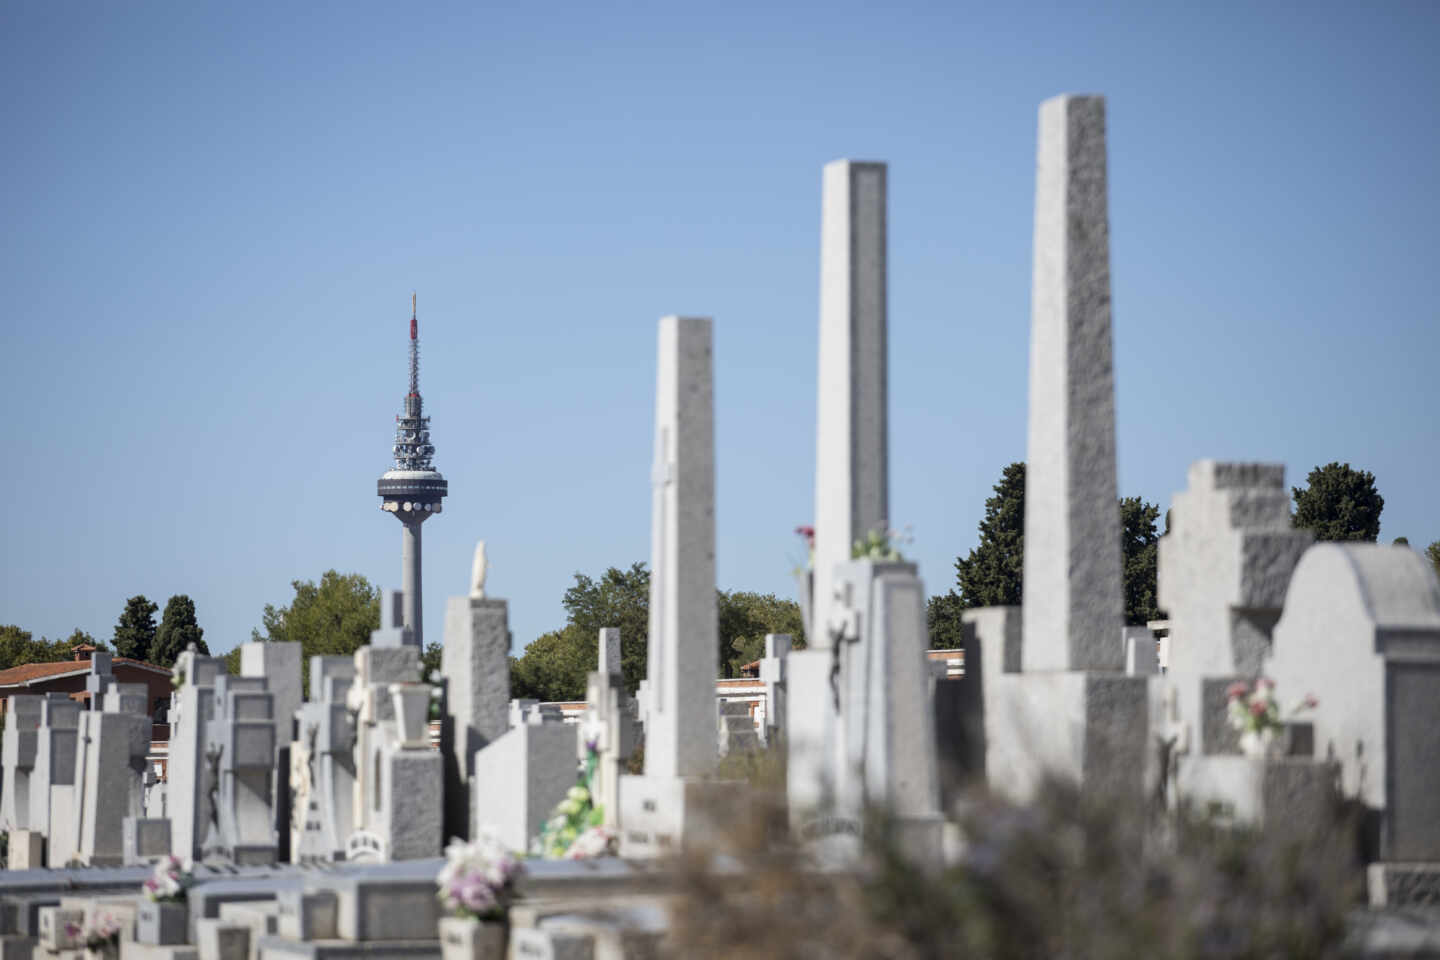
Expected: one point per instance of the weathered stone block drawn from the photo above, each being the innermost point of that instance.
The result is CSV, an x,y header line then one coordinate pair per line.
x,y
387,908
308,914
218,939
162,924
27,850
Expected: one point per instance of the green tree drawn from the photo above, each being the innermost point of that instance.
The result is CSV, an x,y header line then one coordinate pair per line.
x,y
135,631
1401,541
178,630
992,575
1339,503
430,660
942,619
1433,553
66,648
554,665
743,620
333,618
1139,559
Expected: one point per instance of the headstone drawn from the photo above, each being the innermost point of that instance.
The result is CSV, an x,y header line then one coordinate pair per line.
x,y
535,763
220,939
54,756
308,914
886,755
386,908
851,470
399,785
772,675
1140,654
608,648
659,808
190,787
322,765
144,840
476,666
610,729
279,665
100,678
17,757
736,728
1224,566
26,851
240,752
1361,632
392,632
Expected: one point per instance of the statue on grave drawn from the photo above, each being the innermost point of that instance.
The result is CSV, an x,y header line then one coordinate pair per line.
x,y
478,568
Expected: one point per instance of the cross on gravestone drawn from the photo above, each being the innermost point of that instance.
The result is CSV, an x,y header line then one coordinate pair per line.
x,y
772,675
682,640
1072,522
1223,569
17,754
672,805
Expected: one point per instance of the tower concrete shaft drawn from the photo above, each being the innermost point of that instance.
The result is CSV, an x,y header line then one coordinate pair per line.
x,y
414,489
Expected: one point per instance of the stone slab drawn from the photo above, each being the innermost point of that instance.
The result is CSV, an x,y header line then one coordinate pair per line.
x,y
663,816
1403,884
282,948
162,923
132,950
15,947
387,908
144,839
520,778
308,914
220,939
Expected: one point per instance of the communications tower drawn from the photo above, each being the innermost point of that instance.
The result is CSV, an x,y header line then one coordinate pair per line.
x,y
412,491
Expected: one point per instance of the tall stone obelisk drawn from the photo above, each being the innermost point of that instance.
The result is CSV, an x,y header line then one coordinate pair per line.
x,y
1072,519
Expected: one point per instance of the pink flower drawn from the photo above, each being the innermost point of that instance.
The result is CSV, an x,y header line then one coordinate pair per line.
x,y
1258,708
1264,683
1236,690
808,533
1311,701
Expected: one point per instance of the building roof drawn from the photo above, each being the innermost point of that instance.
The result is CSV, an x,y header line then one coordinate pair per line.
x,y
27,674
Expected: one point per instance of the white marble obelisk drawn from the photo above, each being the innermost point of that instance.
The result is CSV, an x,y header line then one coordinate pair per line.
x,y
681,738
851,439
1073,597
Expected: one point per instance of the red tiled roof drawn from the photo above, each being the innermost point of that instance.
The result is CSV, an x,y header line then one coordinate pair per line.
x,y
27,673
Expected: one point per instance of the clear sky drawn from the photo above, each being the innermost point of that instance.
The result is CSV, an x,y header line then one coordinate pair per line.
x,y
214,216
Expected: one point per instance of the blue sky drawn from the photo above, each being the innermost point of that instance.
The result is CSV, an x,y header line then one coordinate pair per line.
x,y
215,214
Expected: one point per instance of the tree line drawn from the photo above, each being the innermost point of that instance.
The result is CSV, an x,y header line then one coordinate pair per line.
x,y
1338,503
136,636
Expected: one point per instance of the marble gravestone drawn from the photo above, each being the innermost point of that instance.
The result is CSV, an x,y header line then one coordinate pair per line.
x,y
1072,710
112,746
17,754
1224,567
322,765
475,663
671,805
191,785
1360,631
240,753
851,451
772,675
52,778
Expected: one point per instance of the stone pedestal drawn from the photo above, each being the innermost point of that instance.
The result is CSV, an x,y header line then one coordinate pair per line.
x,y
462,938
663,816
161,924
27,850
476,665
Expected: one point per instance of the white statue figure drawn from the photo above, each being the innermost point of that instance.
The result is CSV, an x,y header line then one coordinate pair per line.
x,y
477,572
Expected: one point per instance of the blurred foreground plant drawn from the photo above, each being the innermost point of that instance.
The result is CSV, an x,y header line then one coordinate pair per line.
x,y
1070,874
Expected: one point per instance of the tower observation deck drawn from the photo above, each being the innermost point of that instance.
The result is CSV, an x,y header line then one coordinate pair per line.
x,y
412,491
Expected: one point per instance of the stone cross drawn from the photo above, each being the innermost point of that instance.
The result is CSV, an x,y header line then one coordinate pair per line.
x,y
190,788
851,445
22,720
54,770
1223,570
680,740
323,765
772,675
1072,520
